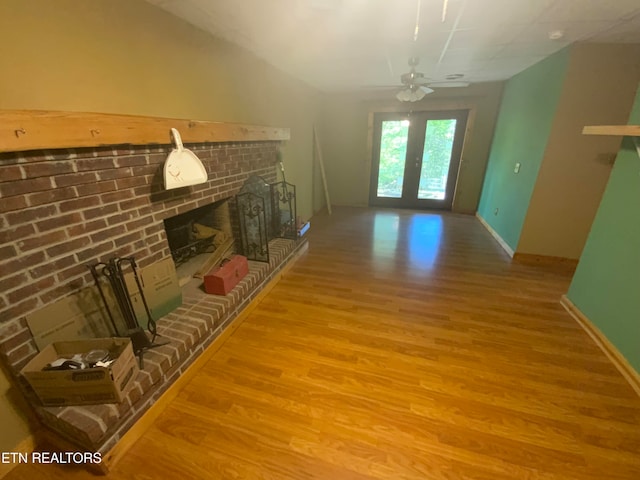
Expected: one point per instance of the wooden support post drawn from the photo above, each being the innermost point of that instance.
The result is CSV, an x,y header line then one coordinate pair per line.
x,y
316,142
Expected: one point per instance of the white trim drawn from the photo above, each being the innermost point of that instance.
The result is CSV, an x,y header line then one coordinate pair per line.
x,y
609,349
495,235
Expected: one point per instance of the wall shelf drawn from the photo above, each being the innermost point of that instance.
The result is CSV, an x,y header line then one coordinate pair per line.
x,y
22,130
624,130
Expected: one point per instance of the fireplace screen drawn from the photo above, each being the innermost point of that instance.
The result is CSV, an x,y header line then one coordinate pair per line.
x,y
265,211
283,198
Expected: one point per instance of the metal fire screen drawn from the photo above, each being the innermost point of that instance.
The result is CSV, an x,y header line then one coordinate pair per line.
x,y
265,211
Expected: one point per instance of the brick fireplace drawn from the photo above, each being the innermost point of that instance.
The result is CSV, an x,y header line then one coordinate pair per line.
x,y
63,209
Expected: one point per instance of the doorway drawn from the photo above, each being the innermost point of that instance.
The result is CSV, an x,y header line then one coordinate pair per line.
x,y
416,158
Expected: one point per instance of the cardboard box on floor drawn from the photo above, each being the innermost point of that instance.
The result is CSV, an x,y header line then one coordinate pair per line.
x,y
82,315
85,386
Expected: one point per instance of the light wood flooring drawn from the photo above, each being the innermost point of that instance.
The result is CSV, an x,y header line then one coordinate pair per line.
x,y
403,345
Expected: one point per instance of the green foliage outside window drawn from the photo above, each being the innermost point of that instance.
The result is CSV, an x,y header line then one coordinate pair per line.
x,y
393,152
435,160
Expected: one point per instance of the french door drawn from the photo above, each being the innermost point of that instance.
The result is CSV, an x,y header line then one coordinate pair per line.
x,y
416,158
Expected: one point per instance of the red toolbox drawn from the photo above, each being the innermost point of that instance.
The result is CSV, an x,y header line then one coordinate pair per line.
x,y
221,280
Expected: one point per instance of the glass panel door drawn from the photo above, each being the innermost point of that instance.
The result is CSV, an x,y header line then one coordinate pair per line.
x,y
436,158
394,136
415,158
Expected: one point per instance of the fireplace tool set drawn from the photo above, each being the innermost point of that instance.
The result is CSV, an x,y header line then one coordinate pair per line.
x,y
112,271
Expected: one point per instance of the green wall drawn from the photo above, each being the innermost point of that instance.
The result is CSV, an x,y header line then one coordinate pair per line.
x,y
606,285
526,114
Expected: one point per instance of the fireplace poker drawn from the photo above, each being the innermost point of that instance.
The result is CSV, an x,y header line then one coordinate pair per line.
x,y
116,280
94,273
112,270
151,324
292,225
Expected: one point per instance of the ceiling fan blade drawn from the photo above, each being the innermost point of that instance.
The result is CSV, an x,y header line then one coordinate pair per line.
x,y
381,87
449,84
414,78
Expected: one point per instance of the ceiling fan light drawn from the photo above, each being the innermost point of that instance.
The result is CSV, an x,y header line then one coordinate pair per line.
x,y
418,94
413,94
404,95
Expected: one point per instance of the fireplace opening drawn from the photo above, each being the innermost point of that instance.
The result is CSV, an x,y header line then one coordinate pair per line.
x,y
199,238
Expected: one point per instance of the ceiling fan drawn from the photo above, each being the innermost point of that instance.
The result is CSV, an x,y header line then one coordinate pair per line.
x,y
415,85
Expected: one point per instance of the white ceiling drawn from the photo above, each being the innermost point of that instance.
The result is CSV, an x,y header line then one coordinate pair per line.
x,y
351,44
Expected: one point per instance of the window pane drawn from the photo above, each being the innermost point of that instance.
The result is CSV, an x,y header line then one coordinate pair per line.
x,y
436,158
393,151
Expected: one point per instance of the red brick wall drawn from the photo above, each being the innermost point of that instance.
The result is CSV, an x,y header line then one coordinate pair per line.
x,y
61,210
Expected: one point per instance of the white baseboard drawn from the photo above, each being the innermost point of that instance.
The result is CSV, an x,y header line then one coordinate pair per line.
x,y
495,235
610,350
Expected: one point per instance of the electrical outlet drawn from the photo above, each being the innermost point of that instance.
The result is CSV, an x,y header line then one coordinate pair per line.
x,y
517,168
495,212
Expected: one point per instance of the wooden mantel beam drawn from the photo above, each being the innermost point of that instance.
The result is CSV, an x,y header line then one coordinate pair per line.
x,y
22,130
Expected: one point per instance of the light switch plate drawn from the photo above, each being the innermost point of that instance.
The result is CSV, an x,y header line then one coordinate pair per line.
x,y
517,168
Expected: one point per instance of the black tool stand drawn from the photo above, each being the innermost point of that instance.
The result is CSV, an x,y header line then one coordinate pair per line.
x,y
112,271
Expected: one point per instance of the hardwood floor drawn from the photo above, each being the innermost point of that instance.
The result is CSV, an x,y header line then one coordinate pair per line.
x,y
403,345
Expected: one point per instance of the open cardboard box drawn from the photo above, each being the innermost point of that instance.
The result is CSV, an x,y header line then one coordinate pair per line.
x,y
85,386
